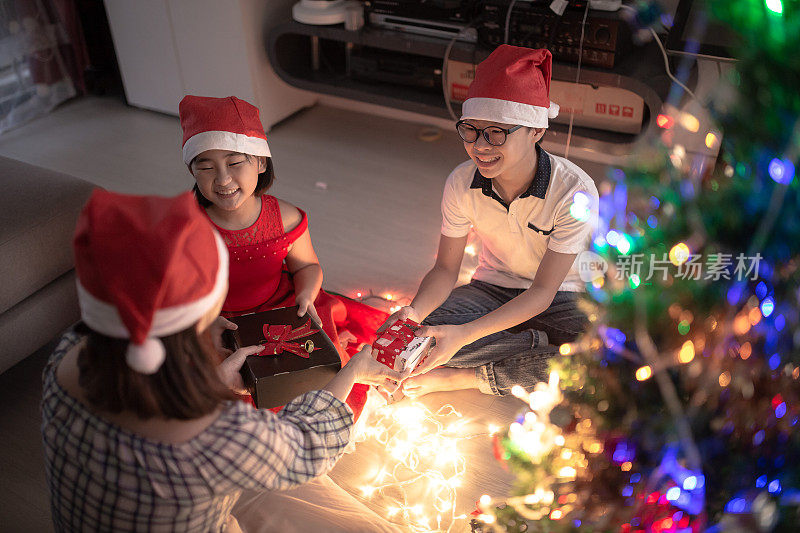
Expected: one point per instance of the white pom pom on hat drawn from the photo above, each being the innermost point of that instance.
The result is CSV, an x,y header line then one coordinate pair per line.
x,y
146,358
147,267
512,86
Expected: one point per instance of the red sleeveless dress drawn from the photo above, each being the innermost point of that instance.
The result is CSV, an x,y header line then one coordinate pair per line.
x,y
259,280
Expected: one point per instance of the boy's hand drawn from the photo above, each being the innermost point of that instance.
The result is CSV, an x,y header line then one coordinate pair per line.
x,y
369,371
216,328
402,314
449,340
306,304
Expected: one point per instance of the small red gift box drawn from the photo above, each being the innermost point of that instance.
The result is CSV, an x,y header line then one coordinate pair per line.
x,y
398,347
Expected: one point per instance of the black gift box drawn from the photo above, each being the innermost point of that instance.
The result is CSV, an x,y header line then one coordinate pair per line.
x,y
306,358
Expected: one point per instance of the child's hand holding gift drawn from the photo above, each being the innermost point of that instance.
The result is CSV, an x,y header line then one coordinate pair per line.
x,y
228,370
369,371
305,303
216,329
449,340
404,313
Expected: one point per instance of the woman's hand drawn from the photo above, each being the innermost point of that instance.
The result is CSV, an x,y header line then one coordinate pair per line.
x,y
366,369
305,304
449,340
216,328
401,314
228,370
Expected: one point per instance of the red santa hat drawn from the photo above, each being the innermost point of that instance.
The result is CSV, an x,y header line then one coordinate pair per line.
x,y
147,267
512,86
220,124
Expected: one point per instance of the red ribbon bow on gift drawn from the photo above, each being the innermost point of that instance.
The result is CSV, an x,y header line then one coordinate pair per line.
x,y
278,338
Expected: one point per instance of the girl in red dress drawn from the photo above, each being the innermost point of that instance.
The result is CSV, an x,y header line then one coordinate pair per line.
x,y
272,260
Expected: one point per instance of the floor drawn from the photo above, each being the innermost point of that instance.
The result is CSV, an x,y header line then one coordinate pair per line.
x,y
371,187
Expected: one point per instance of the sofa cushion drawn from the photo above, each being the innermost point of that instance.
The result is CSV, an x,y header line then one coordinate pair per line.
x,y
38,210
36,320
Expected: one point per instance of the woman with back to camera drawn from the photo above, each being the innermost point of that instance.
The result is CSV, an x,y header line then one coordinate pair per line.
x,y
142,430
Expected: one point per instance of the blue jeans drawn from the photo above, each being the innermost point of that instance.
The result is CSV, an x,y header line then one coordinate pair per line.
x,y
518,355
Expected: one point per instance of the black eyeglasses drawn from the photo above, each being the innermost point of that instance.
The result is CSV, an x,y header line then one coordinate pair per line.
x,y
494,135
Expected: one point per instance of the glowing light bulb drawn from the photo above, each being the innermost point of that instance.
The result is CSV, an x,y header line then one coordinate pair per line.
x,y
389,297
624,244
580,208
519,392
767,306
711,140
776,6
487,518
567,471
565,349
741,324
690,122
781,170
644,373
358,295
687,352
579,212
665,121
679,254
486,499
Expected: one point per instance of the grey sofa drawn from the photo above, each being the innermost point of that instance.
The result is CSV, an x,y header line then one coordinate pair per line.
x,y
38,210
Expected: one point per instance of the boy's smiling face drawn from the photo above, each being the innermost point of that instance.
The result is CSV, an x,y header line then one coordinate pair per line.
x,y
516,154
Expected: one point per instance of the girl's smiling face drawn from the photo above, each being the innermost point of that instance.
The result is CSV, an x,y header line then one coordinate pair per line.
x,y
227,179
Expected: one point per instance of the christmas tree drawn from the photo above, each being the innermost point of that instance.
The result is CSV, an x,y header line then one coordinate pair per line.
x,y
678,410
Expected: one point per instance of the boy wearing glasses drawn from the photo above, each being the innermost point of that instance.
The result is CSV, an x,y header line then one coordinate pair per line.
x,y
533,212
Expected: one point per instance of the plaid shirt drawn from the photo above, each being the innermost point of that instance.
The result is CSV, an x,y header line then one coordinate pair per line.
x,y
104,478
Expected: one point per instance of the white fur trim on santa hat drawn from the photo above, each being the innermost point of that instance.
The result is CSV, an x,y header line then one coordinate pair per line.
x,y
104,317
224,140
508,112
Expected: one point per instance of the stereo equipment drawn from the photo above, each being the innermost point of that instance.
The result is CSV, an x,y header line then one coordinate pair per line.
x,y
432,28
453,11
436,18
535,25
383,66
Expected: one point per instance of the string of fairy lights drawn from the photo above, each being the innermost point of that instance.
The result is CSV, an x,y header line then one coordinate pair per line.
x,y
420,467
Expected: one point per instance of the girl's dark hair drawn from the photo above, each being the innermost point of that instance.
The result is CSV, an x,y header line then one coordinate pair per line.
x,y
265,181
185,387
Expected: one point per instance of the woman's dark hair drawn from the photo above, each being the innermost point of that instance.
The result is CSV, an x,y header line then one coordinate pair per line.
x,y
265,181
185,387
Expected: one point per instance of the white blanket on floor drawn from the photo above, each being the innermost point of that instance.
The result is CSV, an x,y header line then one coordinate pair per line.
x,y
320,505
